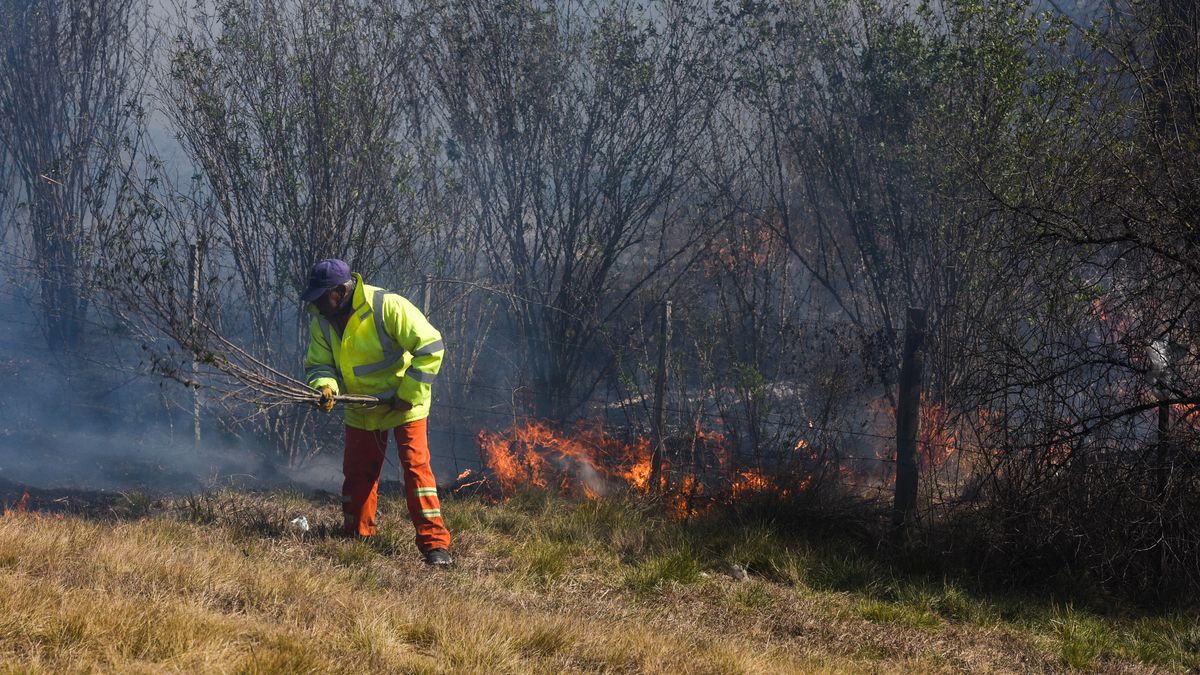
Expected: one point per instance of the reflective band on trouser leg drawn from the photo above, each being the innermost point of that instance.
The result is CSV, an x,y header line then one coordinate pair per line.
x,y
420,487
361,465
428,498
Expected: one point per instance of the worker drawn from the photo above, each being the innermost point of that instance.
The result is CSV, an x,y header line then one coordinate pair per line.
x,y
366,340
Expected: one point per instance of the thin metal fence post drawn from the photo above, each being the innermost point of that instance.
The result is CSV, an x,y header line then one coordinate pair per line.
x,y
193,314
660,398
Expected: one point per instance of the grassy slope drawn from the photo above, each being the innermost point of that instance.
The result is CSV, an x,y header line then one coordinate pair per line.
x,y
219,583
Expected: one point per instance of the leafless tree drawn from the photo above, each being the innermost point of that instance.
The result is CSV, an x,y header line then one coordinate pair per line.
x,y
572,126
302,122
297,116
1100,388
70,126
5,197
792,175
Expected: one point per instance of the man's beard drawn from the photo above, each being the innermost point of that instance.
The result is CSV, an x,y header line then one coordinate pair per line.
x,y
343,309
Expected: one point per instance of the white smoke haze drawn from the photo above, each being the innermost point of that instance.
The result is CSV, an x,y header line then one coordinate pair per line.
x,y
152,461
102,420
584,472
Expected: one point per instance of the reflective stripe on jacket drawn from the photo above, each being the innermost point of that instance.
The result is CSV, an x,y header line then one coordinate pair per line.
x,y
388,349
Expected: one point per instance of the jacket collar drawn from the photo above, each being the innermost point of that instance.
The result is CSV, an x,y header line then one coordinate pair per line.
x,y
360,294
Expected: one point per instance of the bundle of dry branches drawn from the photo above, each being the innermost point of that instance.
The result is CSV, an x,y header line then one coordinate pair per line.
x,y
259,382
168,302
232,372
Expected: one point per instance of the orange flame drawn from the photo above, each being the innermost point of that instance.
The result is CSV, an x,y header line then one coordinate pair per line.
x,y
750,482
588,462
1186,415
467,479
1109,326
684,502
19,508
936,440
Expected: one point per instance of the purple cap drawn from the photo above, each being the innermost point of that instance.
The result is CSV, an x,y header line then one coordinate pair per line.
x,y
325,275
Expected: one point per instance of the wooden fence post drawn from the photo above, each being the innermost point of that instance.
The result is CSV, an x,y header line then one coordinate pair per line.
x,y
660,398
908,416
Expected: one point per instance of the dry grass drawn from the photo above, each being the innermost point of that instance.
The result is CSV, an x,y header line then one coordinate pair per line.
x,y
220,584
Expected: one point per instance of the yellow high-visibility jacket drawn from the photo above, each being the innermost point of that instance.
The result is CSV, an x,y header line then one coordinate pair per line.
x,y
388,349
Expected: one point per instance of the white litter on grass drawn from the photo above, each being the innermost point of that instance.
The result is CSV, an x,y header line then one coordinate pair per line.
x,y
301,523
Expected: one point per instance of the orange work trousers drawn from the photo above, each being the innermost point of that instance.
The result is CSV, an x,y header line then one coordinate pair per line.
x,y
362,465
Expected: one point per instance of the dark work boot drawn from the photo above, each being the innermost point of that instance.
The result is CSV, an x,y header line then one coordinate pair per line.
x,y
438,557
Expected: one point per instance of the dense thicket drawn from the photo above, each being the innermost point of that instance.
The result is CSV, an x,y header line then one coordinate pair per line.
x,y
792,176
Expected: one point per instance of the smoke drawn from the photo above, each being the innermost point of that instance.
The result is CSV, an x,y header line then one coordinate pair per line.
x,y
583,471
100,419
151,460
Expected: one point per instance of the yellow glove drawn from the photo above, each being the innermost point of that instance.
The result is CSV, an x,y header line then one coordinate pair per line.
x,y
326,402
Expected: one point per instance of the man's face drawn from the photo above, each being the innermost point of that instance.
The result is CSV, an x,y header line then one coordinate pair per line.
x,y
328,303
